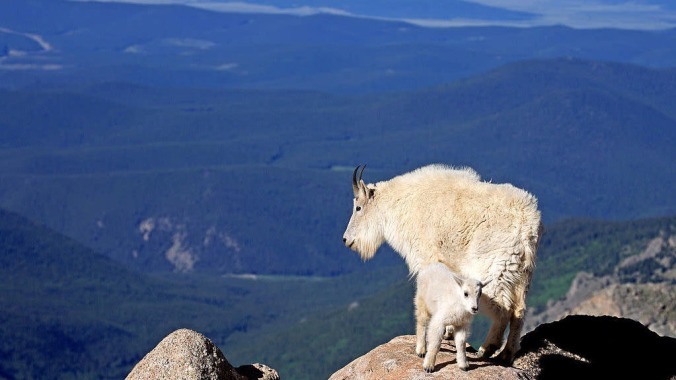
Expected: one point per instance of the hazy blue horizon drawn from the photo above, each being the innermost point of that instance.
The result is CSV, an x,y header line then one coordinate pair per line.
x,y
582,14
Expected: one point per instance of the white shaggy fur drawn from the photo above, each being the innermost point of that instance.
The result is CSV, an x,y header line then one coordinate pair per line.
x,y
444,299
478,229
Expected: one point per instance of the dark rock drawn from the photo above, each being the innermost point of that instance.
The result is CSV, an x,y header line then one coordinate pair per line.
x,y
581,346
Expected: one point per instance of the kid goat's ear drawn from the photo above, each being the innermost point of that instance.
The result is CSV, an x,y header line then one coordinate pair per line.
x,y
458,280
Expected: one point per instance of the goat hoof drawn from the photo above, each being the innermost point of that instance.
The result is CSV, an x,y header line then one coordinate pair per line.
x,y
420,352
505,358
486,353
428,365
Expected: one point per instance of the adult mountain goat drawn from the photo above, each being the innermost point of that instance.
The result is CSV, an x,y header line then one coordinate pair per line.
x,y
478,229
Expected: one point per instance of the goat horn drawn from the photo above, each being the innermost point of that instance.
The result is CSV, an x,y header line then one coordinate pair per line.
x,y
355,184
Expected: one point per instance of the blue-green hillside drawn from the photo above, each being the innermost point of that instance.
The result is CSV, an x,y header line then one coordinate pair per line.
x,y
242,181
67,311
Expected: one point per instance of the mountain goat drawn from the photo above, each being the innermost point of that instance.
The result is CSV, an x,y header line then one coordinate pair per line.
x,y
443,298
478,229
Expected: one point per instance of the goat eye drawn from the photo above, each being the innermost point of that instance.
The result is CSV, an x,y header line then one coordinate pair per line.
x,y
466,294
358,208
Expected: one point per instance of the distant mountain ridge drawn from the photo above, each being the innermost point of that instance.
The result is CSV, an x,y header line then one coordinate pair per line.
x,y
180,46
212,170
648,15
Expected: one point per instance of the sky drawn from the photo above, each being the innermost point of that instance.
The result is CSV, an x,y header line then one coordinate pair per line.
x,y
623,14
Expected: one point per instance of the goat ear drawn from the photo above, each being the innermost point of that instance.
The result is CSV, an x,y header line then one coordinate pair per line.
x,y
458,280
363,191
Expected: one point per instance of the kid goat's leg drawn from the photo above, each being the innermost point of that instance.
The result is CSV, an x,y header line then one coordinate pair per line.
x,y
460,339
435,334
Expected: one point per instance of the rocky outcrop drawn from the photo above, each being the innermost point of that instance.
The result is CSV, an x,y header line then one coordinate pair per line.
x,y
654,305
577,346
396,360
189,355
641,287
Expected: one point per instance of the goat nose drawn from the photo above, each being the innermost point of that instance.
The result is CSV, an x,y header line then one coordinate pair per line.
x,y
344,240
475,309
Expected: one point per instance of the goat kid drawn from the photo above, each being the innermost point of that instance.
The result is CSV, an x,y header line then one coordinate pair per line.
x,y
442,299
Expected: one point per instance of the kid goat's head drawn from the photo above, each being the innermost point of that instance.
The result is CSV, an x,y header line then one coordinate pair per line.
x,y
471,292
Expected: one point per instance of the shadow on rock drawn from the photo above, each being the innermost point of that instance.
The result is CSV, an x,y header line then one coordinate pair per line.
x,y
596,347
